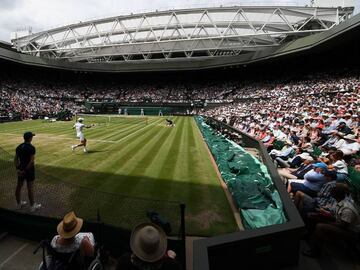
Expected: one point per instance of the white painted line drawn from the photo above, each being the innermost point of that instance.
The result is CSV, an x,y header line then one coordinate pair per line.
x,y
13,255
58,137
123,138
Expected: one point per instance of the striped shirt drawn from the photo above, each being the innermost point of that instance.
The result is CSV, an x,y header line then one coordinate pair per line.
x,y
325,199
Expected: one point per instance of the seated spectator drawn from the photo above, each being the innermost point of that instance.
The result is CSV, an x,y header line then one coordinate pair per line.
x,y
339,165
296,161
69,238
343,128
313,181
345,228
287,151
306,145
322,202
148,243
351,145
331,141
291,173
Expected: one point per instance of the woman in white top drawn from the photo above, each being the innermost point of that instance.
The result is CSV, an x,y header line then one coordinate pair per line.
x,y
339,165
70,239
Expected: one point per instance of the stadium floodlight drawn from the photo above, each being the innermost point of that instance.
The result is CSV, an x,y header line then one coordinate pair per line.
x,y
183,33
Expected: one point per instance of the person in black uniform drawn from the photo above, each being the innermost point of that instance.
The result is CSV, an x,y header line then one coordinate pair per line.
x,y
24,162
169,122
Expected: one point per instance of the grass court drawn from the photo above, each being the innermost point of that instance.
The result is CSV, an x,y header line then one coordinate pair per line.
x,y
133,157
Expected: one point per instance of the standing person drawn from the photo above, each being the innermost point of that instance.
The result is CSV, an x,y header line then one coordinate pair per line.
x,y
24,162
142,112
79,127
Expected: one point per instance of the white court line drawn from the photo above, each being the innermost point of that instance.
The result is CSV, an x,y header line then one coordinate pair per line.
x,y
13,255
155,123
58,137
37,129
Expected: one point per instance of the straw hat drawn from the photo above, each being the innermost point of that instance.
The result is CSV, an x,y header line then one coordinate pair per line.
x,y
148,242
69,226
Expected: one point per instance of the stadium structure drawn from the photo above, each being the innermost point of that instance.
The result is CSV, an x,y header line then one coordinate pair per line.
x,y
221,42
182,39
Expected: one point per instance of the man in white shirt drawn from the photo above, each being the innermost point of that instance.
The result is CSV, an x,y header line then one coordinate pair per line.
x,y
79,127
351,145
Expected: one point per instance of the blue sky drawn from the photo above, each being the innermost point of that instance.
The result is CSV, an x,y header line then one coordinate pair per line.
x,y
42,15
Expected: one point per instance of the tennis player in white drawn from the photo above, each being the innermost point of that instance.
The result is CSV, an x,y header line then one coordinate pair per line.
x,y
79,127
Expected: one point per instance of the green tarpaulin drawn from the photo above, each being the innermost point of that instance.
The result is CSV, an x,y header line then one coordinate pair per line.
x,y
247,180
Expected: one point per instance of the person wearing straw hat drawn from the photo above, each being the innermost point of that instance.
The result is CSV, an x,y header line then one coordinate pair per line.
x,y
69,238
148,243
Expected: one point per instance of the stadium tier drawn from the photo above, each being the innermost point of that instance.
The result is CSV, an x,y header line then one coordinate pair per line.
x,y
245,134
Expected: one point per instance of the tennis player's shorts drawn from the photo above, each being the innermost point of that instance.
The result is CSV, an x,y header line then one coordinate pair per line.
x,y
81,137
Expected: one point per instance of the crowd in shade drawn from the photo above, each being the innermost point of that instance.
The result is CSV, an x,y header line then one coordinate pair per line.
x,y
311,129
29,98
36,98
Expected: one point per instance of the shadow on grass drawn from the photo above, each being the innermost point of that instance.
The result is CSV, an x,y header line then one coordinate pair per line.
x,y
123,200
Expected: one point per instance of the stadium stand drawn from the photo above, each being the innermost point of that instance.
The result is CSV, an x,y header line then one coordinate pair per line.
x,y
294,112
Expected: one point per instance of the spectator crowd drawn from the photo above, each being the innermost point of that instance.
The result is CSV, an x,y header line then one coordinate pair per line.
x,y
310,127
38,98
311,131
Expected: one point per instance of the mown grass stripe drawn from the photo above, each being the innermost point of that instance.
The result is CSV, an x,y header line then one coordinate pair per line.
x,y
123,156
156,162
171,166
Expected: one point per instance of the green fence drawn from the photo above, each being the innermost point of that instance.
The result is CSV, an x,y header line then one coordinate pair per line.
x,y
136,108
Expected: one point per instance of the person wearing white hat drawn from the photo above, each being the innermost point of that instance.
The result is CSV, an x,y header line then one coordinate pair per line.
x,y
292,173
350,146
148,243
339,165
79,127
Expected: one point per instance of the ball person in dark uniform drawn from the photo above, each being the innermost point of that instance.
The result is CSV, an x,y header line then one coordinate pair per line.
x,y
24,163
169,122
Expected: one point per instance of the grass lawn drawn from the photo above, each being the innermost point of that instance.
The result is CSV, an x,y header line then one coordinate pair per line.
x,y
133,166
